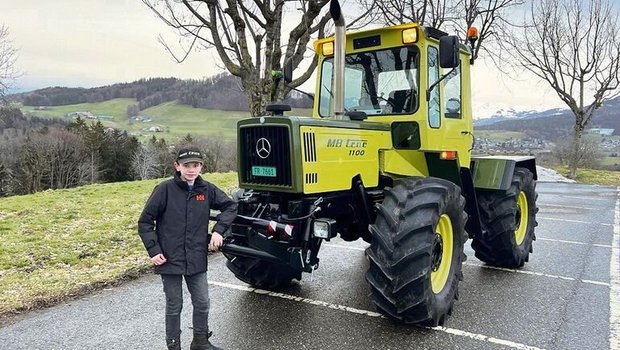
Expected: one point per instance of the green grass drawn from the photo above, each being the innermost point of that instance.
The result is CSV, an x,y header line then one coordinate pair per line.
x,y
610,160
56,244
116,108
175,119
595,177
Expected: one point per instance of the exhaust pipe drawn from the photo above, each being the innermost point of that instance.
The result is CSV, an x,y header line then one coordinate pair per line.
x,y
339,49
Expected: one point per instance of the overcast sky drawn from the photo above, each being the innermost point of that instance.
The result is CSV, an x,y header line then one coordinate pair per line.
x,y
86,43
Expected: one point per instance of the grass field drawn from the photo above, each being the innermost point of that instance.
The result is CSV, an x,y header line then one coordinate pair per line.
x,y
595,177
176,120
56,244
610,160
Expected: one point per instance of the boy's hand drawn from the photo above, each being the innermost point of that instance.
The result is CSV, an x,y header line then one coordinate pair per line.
x,y
216,241
159,259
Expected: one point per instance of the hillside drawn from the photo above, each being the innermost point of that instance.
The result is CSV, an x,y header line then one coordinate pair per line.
x,y
221,92
172,119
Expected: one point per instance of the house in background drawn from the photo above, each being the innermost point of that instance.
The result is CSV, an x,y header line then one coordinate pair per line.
x,y
601,131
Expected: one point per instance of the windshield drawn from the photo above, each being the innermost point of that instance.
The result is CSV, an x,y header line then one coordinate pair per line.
x,y
376,82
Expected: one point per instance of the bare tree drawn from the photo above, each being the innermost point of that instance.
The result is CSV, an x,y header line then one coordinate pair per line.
x,y
220,154
247,36
489,16
8,56
589,154
574,46
144,161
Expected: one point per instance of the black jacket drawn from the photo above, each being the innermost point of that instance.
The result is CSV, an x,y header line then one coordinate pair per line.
x,y
175,222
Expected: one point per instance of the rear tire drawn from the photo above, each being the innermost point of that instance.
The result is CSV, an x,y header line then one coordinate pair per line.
x,y
261,274
508,221
416,254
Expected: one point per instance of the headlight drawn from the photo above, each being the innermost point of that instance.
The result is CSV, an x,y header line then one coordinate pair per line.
x,y
323,228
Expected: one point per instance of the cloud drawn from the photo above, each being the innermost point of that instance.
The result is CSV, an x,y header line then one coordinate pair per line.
x,y
94,42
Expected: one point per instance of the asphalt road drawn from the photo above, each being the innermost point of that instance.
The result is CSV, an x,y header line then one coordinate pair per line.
x,y
566,297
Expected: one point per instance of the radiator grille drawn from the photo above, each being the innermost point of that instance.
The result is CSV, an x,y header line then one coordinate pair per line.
x,y
265,147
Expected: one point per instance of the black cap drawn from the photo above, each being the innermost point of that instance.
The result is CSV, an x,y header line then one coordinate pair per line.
x,y
189,154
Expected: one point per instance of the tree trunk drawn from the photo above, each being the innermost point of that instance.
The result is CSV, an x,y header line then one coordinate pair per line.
x,y
575,155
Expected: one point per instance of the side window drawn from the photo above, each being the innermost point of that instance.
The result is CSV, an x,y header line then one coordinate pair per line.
x,y
353,82
434,119
452,94
325,94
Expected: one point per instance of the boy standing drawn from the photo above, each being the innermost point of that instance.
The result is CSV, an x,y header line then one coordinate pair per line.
x,y
173,227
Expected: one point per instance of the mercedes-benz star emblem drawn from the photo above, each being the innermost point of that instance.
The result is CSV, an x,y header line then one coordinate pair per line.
x,y
263,148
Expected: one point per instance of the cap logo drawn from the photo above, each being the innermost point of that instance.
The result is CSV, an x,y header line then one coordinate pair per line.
x,y
189,154
263,148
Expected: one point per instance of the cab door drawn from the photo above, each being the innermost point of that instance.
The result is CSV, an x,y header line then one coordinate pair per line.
x,y
454,114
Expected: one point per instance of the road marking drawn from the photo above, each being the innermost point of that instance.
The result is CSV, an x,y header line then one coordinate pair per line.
x,y
567,206
485,338
577,197
533,273
345,247
599,283
453,331
575,221
575,242
614,280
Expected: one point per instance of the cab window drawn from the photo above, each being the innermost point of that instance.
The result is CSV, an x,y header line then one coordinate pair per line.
x,y
452,94
434,110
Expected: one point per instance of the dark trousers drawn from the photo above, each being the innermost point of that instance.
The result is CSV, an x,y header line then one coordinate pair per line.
x,y
198,289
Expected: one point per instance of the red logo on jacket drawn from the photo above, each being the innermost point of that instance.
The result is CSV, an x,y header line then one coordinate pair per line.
x,y
200,197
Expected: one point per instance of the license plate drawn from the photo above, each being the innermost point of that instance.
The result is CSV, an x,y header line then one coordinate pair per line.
x,y
268,171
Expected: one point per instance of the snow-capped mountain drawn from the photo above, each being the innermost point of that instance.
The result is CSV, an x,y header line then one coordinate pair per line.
x,y
551,123
504,114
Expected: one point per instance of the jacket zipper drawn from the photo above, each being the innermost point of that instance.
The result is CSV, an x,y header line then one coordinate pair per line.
x,y
189,195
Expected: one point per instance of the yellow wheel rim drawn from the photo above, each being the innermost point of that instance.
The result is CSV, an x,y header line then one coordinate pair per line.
x,y
441,258
521,218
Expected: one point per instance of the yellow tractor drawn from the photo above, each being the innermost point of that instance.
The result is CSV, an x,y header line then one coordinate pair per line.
x,y
386,157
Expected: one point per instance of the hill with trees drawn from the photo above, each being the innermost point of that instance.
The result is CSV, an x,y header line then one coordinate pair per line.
x,y
222,92
37,154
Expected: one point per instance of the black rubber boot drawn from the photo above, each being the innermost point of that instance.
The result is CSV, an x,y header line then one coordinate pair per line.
x,y
174,344
201,341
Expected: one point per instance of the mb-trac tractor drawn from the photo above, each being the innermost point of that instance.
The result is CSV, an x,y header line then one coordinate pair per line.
x,y
386,157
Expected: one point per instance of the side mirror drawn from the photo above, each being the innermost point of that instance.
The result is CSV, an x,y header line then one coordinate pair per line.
x,y
449,51
288,71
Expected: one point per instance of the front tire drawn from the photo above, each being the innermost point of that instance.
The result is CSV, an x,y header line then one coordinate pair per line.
x,y
261,274
508,222
416,254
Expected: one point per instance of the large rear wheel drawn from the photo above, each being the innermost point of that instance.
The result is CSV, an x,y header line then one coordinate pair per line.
x,y
508,221
416,254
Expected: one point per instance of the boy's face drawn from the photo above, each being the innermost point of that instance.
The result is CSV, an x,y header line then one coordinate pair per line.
x,y
189,171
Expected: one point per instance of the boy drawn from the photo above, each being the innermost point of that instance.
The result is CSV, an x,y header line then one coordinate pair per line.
x,y
173,227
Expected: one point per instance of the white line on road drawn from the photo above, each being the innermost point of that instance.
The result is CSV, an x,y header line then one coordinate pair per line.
x,y
575,242
587,197
344,247
566,206
614,280
458,332
605,284
575,221
533,273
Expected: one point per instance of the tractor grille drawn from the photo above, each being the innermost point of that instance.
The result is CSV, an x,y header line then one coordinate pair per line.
x,y
264,149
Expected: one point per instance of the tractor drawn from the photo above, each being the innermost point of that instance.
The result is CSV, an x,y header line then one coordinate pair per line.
x,y
386,157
